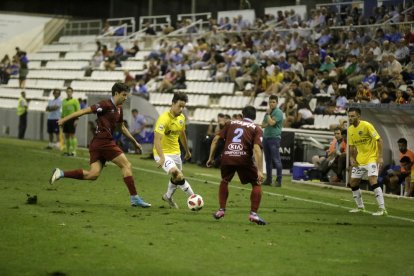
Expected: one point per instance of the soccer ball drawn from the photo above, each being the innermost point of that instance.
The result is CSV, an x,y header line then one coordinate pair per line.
x,y
195,202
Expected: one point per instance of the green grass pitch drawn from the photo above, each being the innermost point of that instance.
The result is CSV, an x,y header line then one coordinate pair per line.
x,y
88,228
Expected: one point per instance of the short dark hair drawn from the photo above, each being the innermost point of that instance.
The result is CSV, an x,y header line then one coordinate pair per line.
x,y
405,159
119,87
273,97
70,88
250,112
134,110
356,109
179,96
402,141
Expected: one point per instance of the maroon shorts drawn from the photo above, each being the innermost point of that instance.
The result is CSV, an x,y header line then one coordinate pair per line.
x,y
247,174
103,150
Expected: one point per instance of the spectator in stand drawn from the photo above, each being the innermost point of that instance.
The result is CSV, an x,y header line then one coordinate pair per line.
x,y
364,94
23,69
22,107
97,59
110,62
53,107
402,52
410,93
395,177
119,53
107,29
304,115
400,98
149,30
5,65
131,52
394,36
153,71
168,81
129,80
141,89
138,124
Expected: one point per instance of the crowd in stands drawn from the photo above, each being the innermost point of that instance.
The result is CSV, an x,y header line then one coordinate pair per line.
x,y
16,66
334,57
299,60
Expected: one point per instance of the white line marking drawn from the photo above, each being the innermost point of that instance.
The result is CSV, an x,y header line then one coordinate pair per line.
x,y
242,188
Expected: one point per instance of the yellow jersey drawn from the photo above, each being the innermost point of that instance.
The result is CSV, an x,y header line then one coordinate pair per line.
x,y
364,137
170,127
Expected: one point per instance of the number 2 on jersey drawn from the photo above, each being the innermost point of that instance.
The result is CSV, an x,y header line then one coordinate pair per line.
x,y
238,132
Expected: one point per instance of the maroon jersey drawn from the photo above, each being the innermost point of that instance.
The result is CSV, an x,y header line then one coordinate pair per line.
x,y
240,137
109,116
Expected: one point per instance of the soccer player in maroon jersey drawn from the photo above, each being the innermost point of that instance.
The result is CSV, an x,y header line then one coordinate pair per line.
x,y
243,142
102,147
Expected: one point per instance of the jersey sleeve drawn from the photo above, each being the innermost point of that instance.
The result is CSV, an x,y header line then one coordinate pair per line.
x,y
100,107
223,132
258,136
160,125
372,131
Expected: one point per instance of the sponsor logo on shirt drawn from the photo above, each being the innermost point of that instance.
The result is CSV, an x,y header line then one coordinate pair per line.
x,y
235,146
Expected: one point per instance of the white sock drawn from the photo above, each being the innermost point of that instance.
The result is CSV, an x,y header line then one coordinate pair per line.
x,y
358,198
171,189
187,188
379,196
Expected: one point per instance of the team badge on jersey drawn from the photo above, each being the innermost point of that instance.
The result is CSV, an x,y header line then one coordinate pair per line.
x,y
180,122
359,132
161,127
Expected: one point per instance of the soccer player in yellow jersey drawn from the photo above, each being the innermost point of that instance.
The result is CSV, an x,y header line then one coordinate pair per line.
x,y
168,130
365,147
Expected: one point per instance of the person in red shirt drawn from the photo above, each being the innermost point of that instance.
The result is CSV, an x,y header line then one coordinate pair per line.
x,y
243,145
396,177
103,147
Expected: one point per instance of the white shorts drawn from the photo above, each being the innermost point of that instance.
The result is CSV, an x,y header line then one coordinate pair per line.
x,y
367,170
171,161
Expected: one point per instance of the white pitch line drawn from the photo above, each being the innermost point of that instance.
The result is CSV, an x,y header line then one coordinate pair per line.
x,y
242,188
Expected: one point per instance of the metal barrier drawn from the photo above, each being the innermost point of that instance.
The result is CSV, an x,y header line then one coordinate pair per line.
x,y
83,27
129,21
157,22
205,17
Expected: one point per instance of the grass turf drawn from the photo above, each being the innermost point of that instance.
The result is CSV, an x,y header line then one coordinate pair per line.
x,y
88,228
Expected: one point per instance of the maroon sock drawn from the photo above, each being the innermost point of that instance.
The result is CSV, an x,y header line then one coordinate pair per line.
x,y
223,194
76,174
255,197
129,181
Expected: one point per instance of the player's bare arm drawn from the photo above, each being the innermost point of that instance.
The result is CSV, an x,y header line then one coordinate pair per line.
x,y
258,157
183,140
75,115
213,147
158,148
126,132
380,160
352,156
